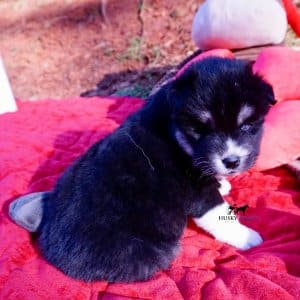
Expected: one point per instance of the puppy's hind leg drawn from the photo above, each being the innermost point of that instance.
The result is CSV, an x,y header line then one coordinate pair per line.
x,y
27,211
231,232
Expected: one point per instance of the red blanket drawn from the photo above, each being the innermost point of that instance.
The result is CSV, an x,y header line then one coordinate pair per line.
x,y
40,140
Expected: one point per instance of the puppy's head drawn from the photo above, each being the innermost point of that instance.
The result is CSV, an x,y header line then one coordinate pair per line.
x,y
217,113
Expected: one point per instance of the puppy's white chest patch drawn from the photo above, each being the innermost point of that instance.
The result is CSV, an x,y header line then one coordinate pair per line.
x,y
225,187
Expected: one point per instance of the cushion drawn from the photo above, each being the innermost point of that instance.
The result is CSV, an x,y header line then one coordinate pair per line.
x,y
281,142
239,24
280,66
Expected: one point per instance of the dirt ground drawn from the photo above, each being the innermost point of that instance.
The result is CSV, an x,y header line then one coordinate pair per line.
x,y
55,48
62,48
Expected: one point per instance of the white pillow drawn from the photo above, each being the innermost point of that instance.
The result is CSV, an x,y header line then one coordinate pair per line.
x,y
239,23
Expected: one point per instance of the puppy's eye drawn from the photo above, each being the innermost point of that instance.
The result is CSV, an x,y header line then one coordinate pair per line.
x,y
245,127
197,130
194,133
200,130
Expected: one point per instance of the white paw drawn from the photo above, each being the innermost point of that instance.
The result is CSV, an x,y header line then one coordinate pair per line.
x,y
239,236
229,231
225,187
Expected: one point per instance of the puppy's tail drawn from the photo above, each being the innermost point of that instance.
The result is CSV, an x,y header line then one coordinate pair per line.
x,y
27,211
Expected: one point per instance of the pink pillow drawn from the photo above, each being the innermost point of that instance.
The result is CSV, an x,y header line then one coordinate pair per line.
x,y
280,66
217,52
281,139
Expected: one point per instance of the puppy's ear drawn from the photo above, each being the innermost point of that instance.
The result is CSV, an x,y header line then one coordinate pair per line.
x,y
250,64
272,100
187,79
183,87
266,87
269,93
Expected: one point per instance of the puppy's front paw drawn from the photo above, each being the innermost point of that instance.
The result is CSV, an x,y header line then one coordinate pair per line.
x,y
225,187
231,231
240,236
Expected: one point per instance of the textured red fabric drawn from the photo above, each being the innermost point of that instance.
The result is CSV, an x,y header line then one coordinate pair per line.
x,y
40,140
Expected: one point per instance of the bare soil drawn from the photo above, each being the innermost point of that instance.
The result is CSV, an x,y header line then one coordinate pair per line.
x,y
63,48
58,49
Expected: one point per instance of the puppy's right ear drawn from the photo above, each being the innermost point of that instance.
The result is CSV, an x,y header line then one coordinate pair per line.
x,y
266,87
183,87
172,94
187,79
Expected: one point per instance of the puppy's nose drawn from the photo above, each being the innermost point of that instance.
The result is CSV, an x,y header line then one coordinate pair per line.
x,y
231,162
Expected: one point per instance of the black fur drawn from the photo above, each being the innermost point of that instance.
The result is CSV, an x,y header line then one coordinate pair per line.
x,y
242,209
118,212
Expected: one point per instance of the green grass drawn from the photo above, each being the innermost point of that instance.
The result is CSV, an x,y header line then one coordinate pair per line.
x,y
135,91
133,51
291,39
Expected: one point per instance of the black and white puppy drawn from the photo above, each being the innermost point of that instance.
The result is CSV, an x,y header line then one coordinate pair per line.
x,y
118,212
